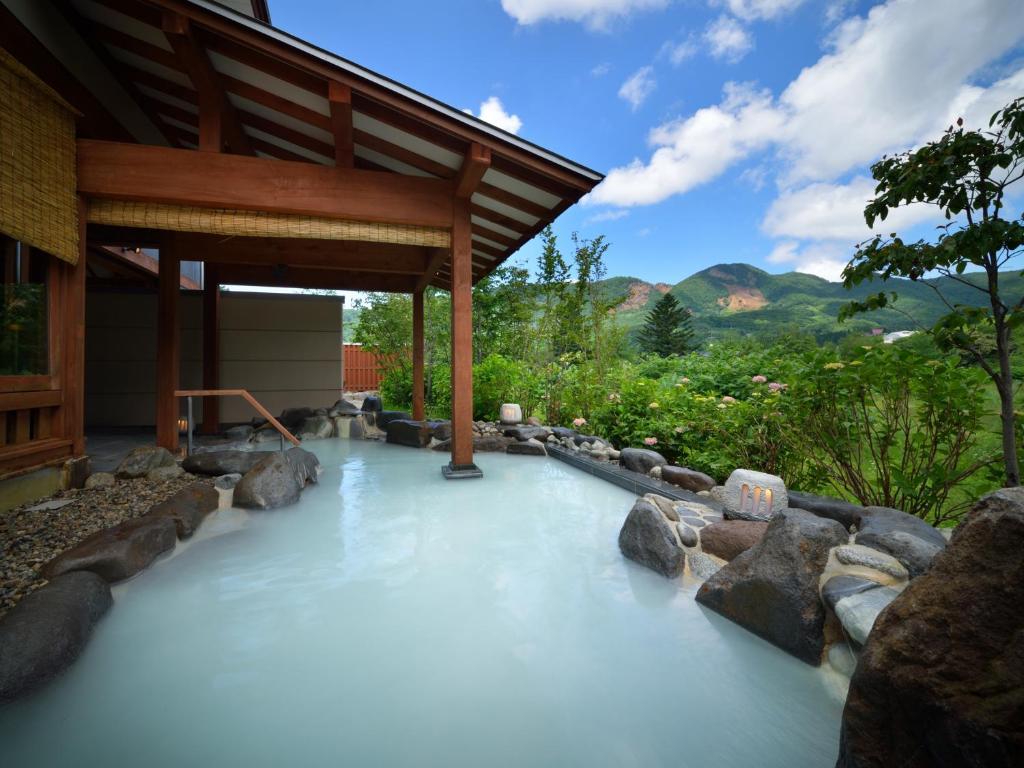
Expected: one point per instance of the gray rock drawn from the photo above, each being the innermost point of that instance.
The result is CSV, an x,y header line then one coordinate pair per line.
x,y
592,439
728,539
372,404
772,588
143,459
292,418
687,536
344,407
694,522
266,435
856,554
838,587
641,460
316,427
879,521
216,463
165,473
304,464
272,483
227,482
527,448
528,433
356,429
414,434
46,631
386,417
751,495
119,552
441,430
100,480
666,506
563,433
187,508
649,539
241,432
690,479
702,567
857,612
914,553
844,512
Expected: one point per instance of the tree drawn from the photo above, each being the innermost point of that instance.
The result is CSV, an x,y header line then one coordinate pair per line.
x,y
965,174
667,330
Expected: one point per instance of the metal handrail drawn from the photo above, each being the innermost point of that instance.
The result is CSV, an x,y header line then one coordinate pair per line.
x,y
243,393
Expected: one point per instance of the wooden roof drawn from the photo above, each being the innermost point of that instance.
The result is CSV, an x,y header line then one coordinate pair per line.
x,y
283,96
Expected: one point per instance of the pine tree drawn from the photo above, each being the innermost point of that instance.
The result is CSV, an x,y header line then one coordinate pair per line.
x,y
667,330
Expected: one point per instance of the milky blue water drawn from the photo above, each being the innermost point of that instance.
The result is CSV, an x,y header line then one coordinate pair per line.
x,y
394,618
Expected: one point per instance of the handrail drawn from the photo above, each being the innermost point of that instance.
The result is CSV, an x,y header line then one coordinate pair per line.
x,y
243,393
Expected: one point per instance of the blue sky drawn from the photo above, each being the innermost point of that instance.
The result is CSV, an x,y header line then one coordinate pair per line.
x,y
731,130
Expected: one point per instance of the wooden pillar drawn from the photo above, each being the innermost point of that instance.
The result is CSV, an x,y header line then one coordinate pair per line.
x,y
211,348
168,343
418,410
73,344
462,346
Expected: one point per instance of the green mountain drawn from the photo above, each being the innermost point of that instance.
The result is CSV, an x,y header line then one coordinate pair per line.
x,y
739,298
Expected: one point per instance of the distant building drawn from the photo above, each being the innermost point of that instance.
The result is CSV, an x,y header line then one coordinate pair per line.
x,y
894,336
877,331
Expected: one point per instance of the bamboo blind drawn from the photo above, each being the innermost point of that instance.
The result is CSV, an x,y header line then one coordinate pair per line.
x,y
219,221
37,163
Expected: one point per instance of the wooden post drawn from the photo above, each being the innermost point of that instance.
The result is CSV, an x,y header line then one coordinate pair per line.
x,y
418,410
211,347
461,464
73,349
339,97
168,343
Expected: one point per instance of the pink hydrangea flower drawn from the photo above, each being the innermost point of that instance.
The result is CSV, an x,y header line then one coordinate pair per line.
x,y
759,379
776,386
650,441
728,399
684,380
579,422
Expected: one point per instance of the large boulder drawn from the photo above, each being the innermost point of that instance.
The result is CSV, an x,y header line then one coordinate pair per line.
x,y
118,552
909,539
941,679
750,495
641,460
316,427
441,430
839,510
481,444
729,539
527,448
525,433
142,460
188,507
304,464
563,433
386,417
346,408
858,612
772,588
45,632
217,463
372,404
650,538
415,434
690,479
292,418
270,484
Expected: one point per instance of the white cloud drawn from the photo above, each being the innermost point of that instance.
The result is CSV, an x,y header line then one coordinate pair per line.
x,y
679,51
836,10
823,211
493,111
638,87
613,215
601,69
826,260
756,176
596,14
727,39
748,10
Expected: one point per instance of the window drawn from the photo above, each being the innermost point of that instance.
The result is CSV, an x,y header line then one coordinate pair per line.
x,y
24,323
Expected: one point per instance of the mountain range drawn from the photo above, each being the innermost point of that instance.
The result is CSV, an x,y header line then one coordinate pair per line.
x,y
740,298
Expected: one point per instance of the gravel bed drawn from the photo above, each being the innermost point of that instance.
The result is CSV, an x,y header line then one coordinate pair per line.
x,y
30,539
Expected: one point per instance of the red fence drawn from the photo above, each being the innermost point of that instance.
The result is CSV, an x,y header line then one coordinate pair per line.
x,y
360,369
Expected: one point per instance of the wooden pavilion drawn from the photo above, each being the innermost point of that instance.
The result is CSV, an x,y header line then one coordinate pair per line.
x,y
199,129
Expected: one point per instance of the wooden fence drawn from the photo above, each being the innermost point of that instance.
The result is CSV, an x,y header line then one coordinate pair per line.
x,y
360,370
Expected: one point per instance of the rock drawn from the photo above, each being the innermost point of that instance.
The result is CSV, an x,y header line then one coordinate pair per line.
x,y
227,482
751,495
857,612
47,630
441,430
592,439
528,433
241,432
265,435
100,480
292,418
118,552
372,404
160,474
844,512
730,538
907,538
640,460
345,408
386,417
316,428
415,434
511,413
687,536
270,484
655,472
856,554
838,587
648,538
483,444
304,464
664,505
772,588
940,681
690,479
187,508
563,433
215,463
533,421
694,522
841,658
702,566
143,459
527,448
914,554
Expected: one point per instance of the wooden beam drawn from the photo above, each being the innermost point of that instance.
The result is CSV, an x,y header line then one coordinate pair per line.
x,y
186,177
418,410
326,254
340,97
304,277
168,346
211,348
489,214
73,344
474,166
462,342
437,260
219,126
